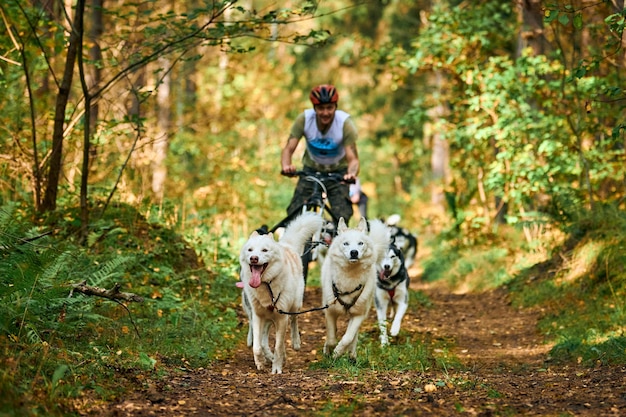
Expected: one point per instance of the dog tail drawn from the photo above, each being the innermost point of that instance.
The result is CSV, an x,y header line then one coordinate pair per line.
x,y
393,220
301,229
381,236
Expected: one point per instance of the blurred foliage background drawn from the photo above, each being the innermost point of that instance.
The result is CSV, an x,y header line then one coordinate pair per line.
x,y
470,114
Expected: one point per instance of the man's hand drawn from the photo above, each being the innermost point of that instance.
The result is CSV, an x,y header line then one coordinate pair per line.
x,y
288,169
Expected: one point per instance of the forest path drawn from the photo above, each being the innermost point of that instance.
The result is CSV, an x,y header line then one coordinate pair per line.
x,y
505,371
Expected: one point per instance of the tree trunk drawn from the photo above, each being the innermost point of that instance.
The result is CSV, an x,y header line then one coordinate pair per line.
x,y
531,32
89,80
94,77
440,151
56,156
161,140
222,78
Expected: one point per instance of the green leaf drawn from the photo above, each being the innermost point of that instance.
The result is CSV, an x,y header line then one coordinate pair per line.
x,y
146,361
564,19
59,373
580,72
550,15
616,131
578,21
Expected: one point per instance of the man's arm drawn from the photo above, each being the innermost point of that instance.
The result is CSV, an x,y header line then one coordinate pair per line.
x,y
297,130
287,154
352,156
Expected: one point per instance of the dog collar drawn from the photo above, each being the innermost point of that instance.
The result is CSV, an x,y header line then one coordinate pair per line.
x,y
383,284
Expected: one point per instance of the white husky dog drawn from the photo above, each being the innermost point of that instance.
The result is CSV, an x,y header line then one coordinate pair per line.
x,y
349,279
271,275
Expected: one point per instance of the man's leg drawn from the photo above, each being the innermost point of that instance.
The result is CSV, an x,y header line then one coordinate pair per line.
x,y
339,197
303,190
363,205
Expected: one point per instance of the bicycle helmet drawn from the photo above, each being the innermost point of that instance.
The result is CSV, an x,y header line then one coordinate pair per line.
x,y
325,93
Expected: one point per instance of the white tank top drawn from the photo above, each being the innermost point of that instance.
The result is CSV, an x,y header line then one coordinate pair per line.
x,y
327,148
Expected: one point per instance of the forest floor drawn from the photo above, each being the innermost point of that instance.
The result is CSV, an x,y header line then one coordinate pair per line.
x,y
505,370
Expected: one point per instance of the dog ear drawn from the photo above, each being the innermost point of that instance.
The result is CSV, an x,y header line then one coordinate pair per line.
x,y
254,234
362,224
342,225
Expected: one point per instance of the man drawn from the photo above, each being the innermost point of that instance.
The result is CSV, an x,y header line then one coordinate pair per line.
x,y
330,147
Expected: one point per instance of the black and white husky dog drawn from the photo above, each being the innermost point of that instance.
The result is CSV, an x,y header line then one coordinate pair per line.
x,y
392,292
404,239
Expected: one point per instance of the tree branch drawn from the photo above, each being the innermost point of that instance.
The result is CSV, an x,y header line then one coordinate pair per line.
x,y
113,294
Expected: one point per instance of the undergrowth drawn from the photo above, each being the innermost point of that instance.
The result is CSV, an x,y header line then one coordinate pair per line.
x,y
582,287
58,346
580,283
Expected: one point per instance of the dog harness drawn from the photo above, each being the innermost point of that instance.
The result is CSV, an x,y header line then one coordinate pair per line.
x,y
272,307
391,291
338,294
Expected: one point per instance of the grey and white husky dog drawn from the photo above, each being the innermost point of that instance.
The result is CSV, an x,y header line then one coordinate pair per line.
x,y
348,280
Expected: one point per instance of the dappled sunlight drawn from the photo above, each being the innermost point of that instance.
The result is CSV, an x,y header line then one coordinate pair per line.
x,y
484,330
582,261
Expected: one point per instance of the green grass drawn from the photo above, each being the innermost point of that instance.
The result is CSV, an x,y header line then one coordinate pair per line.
x,y
332,409
410,351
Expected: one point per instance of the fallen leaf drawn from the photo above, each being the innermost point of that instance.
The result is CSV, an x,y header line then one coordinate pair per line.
x,y
430,387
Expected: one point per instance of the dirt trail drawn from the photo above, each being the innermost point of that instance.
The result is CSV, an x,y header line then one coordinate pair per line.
x,y
506,371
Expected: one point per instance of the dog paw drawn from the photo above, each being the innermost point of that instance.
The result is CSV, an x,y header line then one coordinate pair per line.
x,y
384,340
394,331
276,371
296,342
260,361
338,351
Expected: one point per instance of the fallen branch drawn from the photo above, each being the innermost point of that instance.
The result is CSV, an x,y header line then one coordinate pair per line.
x,y
113,294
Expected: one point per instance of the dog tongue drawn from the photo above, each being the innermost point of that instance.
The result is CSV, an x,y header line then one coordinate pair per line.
x,y
255,278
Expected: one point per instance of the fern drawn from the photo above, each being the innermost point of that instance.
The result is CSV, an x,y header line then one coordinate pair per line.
x,y
108,271
35,278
